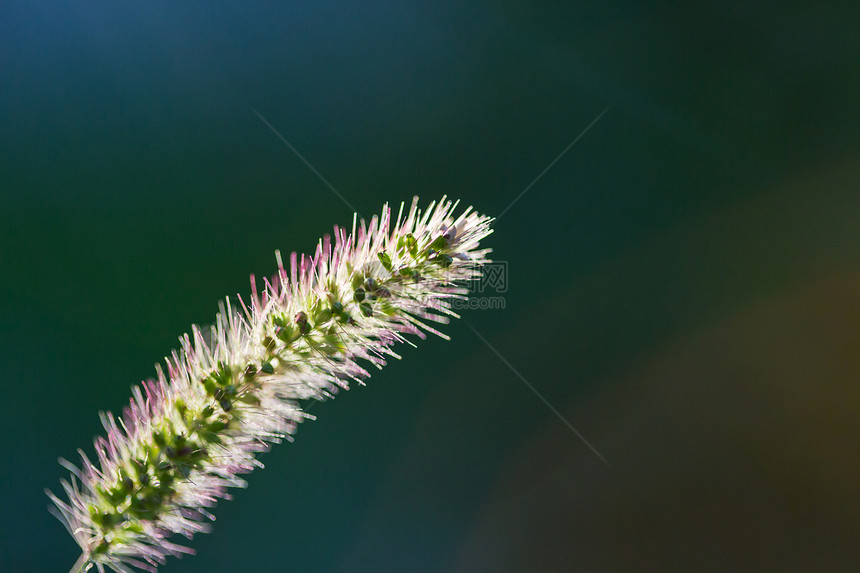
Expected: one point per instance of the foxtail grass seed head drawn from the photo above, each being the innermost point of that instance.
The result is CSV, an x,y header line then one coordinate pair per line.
x,y
237,386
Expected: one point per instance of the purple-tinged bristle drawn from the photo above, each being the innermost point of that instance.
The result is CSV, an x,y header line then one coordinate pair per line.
x,y
234,388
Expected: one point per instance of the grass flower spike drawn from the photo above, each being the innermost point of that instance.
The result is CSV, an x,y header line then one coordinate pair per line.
x,y
237,386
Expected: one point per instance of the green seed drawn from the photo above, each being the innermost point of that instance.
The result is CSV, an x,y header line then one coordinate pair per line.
x,y
411,245
322,317
385,260
383,293
249,399
358,295
302,321
439,243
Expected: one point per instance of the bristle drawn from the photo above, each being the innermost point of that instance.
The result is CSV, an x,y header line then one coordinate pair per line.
x,y
236,387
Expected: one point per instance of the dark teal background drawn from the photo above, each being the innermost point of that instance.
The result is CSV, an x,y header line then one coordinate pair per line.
x,y
684,284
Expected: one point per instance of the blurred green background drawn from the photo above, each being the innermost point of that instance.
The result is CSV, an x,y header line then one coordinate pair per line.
x,y
684,283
